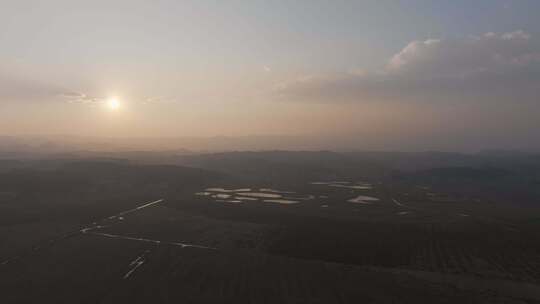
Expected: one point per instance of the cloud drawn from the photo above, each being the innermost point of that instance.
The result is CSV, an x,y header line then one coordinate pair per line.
x,y
19,87
491,66
91,100
81,98
159,100
16,88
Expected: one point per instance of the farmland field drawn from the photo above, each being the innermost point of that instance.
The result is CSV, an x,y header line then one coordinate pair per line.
x,y
139,233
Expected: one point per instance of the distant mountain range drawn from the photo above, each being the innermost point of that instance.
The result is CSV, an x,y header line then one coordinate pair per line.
x,y
39,146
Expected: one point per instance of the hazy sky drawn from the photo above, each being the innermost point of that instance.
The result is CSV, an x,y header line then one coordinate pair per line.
x,y
451,75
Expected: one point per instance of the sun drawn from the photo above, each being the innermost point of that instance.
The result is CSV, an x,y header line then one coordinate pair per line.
x,y
113,104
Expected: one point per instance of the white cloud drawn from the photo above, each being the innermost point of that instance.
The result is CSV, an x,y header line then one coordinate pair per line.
x,y
490,66
76,97
159,99
19,87
15,88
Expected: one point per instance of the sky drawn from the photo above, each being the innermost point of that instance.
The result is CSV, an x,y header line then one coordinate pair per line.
x,y
371,75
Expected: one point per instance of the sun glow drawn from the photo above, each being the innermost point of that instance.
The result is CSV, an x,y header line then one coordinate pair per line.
x,y
113,104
